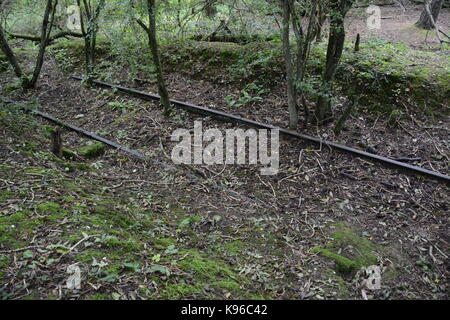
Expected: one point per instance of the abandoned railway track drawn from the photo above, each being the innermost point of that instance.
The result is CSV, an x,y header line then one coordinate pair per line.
x,y
225,117
135,154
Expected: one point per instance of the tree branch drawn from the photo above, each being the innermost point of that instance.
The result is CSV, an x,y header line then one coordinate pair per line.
x,y
62,34
427,7
142,24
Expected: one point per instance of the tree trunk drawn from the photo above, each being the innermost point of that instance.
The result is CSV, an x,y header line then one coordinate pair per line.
x,y
425,21
322,17
56,142
292,97
339,9
151,32
85,37
357,42
45,35
12,58
89,33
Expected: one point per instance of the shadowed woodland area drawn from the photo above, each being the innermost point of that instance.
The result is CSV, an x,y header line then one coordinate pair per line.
x,y
93,206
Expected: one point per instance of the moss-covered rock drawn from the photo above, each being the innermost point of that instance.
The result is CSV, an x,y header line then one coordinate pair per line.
x,y
348,250
68,154
358,248
92,151
343,265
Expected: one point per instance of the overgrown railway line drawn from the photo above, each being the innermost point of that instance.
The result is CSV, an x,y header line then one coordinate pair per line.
x,y
135,154
226,117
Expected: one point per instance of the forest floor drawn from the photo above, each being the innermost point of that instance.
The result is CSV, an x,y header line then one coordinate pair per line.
x,y
140,230
397,25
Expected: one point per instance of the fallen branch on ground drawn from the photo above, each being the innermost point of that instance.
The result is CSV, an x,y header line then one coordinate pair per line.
x,y
62,34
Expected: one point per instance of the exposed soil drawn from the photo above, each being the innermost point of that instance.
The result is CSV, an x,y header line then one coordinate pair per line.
x,y
397,25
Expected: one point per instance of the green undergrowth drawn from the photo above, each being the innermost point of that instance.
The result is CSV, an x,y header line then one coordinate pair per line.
x,y
113,236
387,75
349,251
69,53
391,74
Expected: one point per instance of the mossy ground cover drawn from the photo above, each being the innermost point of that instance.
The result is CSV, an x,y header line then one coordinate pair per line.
x,y
391,74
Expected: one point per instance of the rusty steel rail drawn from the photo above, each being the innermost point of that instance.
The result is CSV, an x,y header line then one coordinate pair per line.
x,y
223,116
137,155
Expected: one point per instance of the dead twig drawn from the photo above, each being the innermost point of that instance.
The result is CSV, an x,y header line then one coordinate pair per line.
x,y
76,245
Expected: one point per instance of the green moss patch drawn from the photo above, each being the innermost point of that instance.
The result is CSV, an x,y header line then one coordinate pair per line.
x,y
178,291
349,251
49,208
228,285
234,247
4,195
69,52
163,243
205,268
343,264
4,263
92,151
68,154
100,296
387,73
206,273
